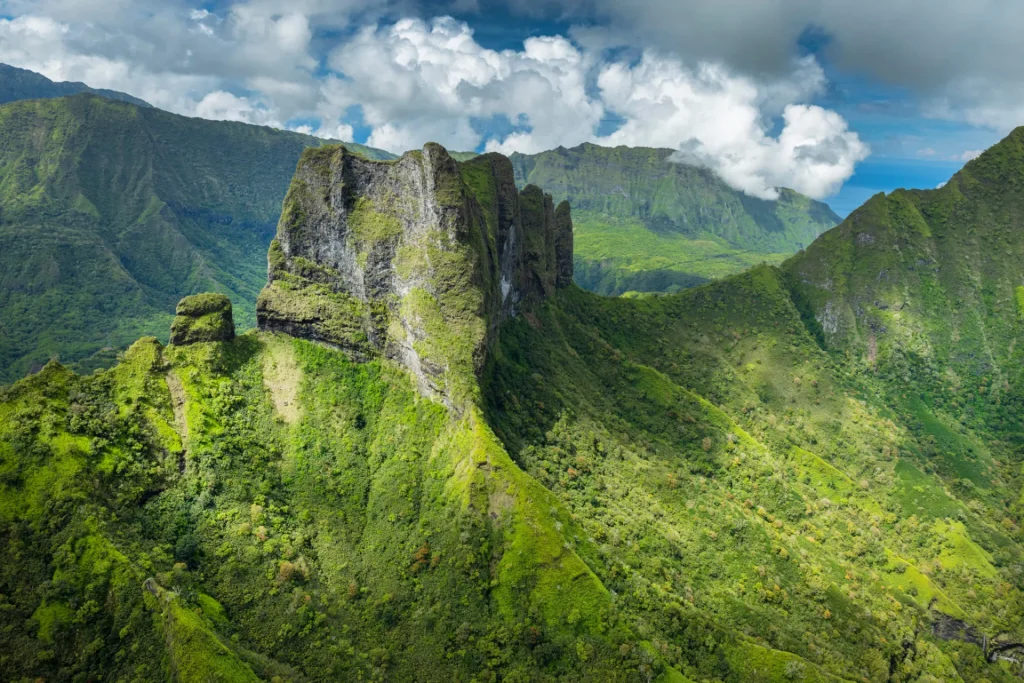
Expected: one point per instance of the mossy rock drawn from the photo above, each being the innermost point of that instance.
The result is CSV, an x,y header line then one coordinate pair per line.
x,y
203,318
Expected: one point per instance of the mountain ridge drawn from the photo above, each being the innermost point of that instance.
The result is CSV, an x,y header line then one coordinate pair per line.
x,y
691,225
159,206
22,84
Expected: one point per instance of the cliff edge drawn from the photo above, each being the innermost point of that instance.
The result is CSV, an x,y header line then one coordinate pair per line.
x,y
419,259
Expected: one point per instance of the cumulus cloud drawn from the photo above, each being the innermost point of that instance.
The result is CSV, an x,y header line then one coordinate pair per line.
x,y
418,81
340,131
718,120
962,58
224,106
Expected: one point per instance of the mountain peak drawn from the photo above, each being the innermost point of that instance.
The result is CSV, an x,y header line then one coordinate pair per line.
x,y
418,259
925,277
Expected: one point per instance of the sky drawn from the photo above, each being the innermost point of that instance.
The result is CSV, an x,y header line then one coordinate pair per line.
x,y
835,99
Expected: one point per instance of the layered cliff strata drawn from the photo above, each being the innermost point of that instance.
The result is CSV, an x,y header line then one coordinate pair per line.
x,y
420,259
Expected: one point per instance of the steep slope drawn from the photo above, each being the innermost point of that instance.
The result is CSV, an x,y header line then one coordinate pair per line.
x,y
645,223
925,288
110,212
928,274
292,513
438,460
22,84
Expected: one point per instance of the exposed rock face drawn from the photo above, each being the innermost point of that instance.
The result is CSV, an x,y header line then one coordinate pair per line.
x,y
202,318
419,259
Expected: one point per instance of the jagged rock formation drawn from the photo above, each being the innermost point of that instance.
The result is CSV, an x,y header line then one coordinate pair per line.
x,y
419,259
203,318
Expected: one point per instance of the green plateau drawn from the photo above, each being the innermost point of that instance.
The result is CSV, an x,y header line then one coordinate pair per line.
x,y
438,459
647,224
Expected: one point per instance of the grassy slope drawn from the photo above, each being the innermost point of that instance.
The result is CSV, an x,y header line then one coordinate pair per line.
x,y
372,535
112,212
694,484
683,487
622,254
921,289
644,223
731,472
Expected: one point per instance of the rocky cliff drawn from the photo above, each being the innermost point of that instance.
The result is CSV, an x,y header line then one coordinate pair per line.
x,y
419,259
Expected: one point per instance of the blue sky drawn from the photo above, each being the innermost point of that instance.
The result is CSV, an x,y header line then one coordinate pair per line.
x,y
835,99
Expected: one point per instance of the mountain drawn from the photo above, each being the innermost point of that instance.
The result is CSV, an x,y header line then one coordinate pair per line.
x,y
22,84
111,212
928,279
437,459
645,223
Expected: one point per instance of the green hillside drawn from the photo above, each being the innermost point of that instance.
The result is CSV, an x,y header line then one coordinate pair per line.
x,y
22,84
503,477
644,223
111,212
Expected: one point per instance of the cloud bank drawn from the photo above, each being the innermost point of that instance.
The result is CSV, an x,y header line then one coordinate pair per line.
x,y
330,67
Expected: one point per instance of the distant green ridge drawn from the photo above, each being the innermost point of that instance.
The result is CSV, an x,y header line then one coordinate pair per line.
x,y
22,84
111,212
646,223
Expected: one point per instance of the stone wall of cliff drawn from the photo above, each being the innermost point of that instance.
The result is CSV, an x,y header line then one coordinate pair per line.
x,y
419,259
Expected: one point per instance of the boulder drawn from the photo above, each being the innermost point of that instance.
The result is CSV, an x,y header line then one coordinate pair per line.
x,y
202,318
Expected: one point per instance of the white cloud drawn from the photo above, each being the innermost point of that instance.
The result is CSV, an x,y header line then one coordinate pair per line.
x,y
340,131
926,152
224,106
419,81
967,155
717,120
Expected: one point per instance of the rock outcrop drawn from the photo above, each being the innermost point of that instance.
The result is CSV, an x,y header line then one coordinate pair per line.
x,y
202,318
419,259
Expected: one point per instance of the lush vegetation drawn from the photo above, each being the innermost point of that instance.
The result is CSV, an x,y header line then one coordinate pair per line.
x,y
645,223
624,255
111,212
757,479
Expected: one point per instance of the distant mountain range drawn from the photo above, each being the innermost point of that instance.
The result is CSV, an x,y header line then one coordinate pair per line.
x,y
645,223
22,84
